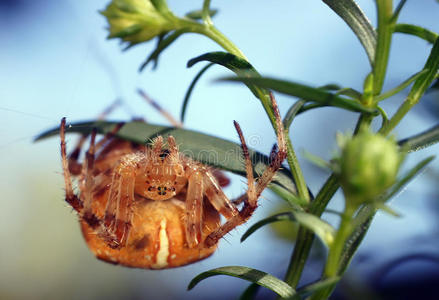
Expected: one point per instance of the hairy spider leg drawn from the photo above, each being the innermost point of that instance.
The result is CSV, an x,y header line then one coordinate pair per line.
x,y
162,111
71,198
253,191
194,209
118,213
74,166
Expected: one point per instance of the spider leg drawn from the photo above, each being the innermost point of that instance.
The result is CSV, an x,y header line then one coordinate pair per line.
x,y
254,190
87,184
157,107
217,198
117,218
74,166
71,198
194,209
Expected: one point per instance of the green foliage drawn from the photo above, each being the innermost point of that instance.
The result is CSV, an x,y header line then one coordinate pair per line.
x,y
249,274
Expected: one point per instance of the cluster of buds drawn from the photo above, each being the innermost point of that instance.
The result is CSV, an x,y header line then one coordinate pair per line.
x,y
137,21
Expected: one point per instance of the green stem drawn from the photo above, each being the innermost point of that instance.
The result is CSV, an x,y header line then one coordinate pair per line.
x,y
335,252
206,13
218,37
296,171
305,237
384,31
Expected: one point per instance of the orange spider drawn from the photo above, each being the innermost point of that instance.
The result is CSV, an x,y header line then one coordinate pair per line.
x,y
152,207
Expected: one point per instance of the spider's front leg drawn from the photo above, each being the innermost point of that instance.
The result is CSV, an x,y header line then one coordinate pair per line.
x,y
254,190
118,214
202,182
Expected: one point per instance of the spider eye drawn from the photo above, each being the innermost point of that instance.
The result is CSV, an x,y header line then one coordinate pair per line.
x,y
151,188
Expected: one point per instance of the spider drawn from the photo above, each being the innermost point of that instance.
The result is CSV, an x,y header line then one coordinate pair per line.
x,y
152,207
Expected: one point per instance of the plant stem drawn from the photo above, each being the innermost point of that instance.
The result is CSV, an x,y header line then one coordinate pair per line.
x,y
206,13
296,171
384,30
343,233
335,252
305,237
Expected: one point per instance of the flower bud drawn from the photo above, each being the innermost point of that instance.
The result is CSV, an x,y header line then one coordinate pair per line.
x,y
368,166
136,21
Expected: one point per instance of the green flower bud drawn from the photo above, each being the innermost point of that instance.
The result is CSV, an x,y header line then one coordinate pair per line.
x,y
369,165
137,21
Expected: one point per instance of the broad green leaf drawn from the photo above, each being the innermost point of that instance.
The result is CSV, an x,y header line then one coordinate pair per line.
x,y
421,140
303,91
400,87
198,14
162,44
207,149
418,31
320,228
352,14
261,278
190,89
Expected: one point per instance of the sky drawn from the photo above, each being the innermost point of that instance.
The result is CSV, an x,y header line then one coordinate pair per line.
x,y
55,61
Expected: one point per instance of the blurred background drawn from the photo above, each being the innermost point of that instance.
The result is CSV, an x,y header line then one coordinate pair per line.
x,y
55,61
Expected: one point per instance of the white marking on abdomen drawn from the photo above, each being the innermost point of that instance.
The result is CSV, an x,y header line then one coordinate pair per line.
x,y
163,252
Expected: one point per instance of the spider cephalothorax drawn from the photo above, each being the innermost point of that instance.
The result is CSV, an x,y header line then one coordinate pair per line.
x,y
153,207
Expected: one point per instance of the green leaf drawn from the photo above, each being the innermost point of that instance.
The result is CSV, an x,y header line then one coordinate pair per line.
x,y
418,31
161,6
261,278
320,228
162,44
303,91
398,11
232,62
387,209
350,92
198,14
424,81
314,287
400,87
292,112
207,149
352,14
250,292
136,28
190,89
421,140
409,176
